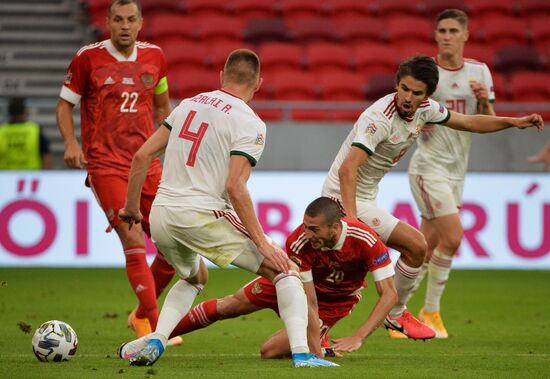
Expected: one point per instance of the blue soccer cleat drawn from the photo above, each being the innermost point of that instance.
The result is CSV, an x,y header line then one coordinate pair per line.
x,y
149,354
310,360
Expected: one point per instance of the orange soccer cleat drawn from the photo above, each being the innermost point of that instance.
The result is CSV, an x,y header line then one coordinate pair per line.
x,y
141,326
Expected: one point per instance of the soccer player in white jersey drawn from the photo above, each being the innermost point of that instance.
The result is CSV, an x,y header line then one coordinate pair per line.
x,y
203,207
439,163
379,138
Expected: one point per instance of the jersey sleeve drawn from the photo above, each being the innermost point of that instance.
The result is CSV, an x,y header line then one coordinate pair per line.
x,y
488,81
170,120
249,141
369,133
75,79
162,84
379,261
436,113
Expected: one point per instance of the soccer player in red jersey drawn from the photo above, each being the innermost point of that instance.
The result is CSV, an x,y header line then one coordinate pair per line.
x,y
122,89
334,255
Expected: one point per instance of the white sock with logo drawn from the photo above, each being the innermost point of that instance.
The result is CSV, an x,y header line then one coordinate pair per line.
x,y
438,274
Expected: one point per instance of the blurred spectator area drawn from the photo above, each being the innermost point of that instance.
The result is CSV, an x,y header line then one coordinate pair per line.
x,y
340,50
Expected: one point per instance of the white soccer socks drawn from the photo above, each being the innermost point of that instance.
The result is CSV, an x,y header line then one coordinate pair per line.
x,y
405,278
438,274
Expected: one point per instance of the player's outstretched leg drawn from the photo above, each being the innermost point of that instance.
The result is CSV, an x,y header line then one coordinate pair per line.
x,y
150,353
410,326
310,360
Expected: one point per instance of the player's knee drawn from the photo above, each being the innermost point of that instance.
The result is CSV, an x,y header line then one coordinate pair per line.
x,y
450,243
268,351
418,249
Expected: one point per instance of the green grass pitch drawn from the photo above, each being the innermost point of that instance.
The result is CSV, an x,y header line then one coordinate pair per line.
x,y
499,324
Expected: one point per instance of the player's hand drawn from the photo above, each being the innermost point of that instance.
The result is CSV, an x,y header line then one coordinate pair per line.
x,y
480,92
530,121
74,158
348,344
276,255
542,156
130,216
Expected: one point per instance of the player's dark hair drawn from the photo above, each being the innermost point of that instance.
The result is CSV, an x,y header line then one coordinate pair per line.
x,y
16,107
455,14
123,2
421,68
326,207
242,67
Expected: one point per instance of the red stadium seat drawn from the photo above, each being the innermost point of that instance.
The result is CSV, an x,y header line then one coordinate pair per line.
x,y
417,48
379,86
431,8
355,29
246,9
207,7
346,8
295,10
322,57
220,29
151,7
490,8
169,25
481,52
187,83
264,29
292,85
500,85
540,33
530,86
312,29
183,54
534,7
220,50
503,31
405,8
277,56
515,58
373,58
338,86
404,29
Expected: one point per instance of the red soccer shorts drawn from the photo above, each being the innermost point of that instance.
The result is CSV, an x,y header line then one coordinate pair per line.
x,y
110,192
261,292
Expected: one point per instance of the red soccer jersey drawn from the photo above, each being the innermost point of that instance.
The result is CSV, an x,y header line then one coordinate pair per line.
x,y
340,272
117,95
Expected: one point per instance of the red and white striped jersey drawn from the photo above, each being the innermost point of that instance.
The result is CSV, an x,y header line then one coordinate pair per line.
x,y
341,271
385,136
442,151
116,95
205,131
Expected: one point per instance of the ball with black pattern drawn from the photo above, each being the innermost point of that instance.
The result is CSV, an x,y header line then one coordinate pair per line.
x,y
54,341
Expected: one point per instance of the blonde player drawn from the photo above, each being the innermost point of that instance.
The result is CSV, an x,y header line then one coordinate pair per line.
x,y
203,207
439,164
380,137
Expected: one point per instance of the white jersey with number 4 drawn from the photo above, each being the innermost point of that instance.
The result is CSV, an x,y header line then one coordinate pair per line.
x,y
442,151
385,137
204,132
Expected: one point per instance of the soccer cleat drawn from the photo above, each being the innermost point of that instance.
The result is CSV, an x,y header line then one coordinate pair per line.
x,y
149,354
141,326
327,349
410,326
310,360
434,321
129,349
396,334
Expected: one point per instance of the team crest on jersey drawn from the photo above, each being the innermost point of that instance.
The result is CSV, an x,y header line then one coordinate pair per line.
x,y
260,140
68,78
296,260
148,80
441,109
395,138
256,288
371,128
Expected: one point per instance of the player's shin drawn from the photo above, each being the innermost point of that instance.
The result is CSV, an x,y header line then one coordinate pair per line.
x,y
292,303
405,278
176,305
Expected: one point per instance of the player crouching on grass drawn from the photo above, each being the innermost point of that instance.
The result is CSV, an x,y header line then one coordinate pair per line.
x,y
334,256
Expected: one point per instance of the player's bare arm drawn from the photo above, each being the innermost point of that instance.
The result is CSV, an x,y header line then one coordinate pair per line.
x,y
348,179
313,332
239,172
151,149
162,107
387,299
489,124
74,158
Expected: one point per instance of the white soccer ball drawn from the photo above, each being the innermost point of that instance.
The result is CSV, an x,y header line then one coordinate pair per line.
x,y
54,341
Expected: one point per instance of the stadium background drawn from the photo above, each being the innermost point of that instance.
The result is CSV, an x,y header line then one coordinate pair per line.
x,y
323,63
